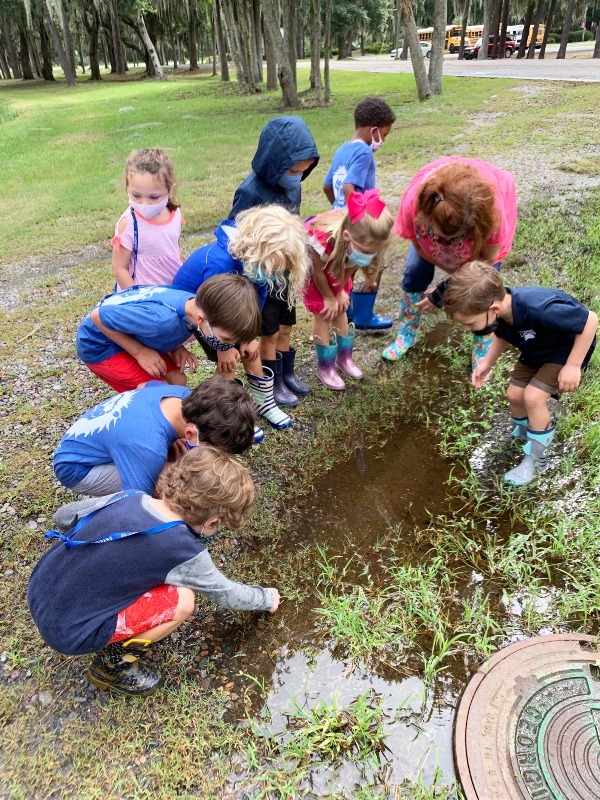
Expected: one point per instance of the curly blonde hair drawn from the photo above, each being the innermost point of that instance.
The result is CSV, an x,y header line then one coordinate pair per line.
x,y
156,162
271,243
207,483
368,232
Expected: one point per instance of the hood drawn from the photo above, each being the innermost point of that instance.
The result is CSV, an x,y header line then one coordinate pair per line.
x,y
223,232
283,142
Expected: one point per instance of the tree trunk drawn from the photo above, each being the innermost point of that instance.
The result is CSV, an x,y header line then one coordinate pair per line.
x,y
549,19
247,44
192,43
65,24
213,36
404,53
220,43
315,47
117,44
92,26
536,24
148,44
24,52
438,40
495,26
257,44
327,49
12,55
232,39
505,10
80,49
289,35
483,50
70,76
396,29
4,69
526,26
564,39
464,23
285,71
410,29
596,42
271,61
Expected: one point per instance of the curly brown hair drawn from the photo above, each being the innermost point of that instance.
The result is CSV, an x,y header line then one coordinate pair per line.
x,y
207,483
458,200
156,162
472,289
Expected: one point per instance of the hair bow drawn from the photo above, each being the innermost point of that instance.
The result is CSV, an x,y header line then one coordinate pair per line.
x,y
361,204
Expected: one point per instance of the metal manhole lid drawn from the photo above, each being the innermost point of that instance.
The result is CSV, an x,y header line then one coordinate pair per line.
x,y
528,725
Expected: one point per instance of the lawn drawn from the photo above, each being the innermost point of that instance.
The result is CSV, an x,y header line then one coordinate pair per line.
x,y
405,602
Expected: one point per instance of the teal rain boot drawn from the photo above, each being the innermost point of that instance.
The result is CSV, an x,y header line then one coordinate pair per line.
x,y
520,429
535,459
409,316
481,345
326,371
344,358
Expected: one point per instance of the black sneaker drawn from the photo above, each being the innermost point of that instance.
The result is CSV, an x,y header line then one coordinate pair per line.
x,y
118,667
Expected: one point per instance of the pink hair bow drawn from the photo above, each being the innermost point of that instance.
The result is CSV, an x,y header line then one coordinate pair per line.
x,y
361,204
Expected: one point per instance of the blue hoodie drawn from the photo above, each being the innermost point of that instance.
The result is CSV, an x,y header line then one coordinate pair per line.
x,y
213,259
283,142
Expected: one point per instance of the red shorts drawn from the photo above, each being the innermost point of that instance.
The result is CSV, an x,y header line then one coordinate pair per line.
x,y
312,297
153,608
123,372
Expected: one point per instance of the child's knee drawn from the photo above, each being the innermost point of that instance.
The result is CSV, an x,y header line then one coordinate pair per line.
x,y
285,330
185,606
176,378
534,397
271,338
514,394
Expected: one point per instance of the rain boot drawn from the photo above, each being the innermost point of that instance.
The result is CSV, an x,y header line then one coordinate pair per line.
x,y
409,316
298,387
520,430
481,345
261,389
282,395
326,371
535,460
364,318
118,667
344,358
259,434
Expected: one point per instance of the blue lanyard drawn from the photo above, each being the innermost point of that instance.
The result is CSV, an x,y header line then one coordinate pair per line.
x,y
68,541
135,241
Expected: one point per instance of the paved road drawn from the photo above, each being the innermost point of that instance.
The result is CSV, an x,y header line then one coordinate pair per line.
x,y
549,69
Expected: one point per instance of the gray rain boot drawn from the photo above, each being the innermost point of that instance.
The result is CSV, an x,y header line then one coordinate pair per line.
x,y
520,429
535,460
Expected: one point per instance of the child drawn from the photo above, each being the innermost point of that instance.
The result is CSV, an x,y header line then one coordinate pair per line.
x,y
353,170
342,241
555,334
125,441
267,244
146,241
127,591
285,156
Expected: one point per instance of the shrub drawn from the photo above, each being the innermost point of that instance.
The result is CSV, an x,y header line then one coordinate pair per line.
x,y
575,36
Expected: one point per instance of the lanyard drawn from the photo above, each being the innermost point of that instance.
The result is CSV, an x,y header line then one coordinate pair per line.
x,y
135,242
68,541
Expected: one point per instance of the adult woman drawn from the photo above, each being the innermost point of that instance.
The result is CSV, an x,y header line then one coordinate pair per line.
x,y
454,210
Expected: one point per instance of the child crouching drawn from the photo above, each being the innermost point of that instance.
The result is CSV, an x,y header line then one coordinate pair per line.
x,y
555,334
123,575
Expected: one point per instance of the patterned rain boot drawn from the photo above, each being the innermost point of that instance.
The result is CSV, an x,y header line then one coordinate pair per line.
x,y
259,434
326,371
344,358
118,667
520,429
261,390
298,387
409,316
364,318
481,345
535,459
282,395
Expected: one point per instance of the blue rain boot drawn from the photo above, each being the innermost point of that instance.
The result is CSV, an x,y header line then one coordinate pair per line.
x,y
520,429
364,318
481,345
410,317
261,389
535,460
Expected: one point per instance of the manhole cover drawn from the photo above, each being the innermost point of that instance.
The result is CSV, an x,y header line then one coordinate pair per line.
x,y
528,726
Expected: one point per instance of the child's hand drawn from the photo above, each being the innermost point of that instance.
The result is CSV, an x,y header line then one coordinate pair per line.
x,y
330,309
150,361
343,302
176,451
275,605
249,350
569,378
480,374
182,357
227,360
426,305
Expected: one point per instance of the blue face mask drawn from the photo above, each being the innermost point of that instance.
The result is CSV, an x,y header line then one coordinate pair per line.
x,y
212,340
361,259
188,444
289,181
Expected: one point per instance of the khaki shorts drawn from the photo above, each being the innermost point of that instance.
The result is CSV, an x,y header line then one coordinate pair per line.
x,y
544,378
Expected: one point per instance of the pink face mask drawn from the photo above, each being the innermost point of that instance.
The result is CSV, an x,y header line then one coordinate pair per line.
x,y
375,146
149,211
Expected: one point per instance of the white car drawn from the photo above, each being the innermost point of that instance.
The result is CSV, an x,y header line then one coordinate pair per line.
x,y
425,50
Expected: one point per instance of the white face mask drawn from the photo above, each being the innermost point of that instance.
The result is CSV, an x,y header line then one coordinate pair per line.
x,y
149,211
375,145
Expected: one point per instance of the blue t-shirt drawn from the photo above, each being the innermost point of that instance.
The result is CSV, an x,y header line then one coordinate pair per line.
x,y
352,163
214,259
128,430
546,322
154,315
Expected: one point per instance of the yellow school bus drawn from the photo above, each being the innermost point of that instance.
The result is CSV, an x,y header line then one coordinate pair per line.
x,y
473,33
452,40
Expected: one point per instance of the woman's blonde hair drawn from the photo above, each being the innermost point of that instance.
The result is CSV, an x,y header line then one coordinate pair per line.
x,y
156,162
271,243
207,483
368,232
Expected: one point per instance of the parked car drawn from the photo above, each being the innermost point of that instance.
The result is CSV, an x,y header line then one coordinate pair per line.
x,y
472,51
425,50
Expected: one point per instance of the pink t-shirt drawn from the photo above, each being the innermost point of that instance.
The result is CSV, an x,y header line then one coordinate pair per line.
x,y
453,255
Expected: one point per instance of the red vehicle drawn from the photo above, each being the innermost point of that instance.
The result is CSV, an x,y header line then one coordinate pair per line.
x,y
473,51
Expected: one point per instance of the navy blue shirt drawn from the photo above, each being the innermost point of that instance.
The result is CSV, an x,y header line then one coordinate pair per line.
x,y
545,323
154,315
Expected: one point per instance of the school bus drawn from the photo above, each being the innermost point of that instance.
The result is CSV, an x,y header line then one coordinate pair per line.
x,y
475,32
452,40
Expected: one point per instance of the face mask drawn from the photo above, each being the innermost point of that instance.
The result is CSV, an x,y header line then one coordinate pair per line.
x,y
149,211
375,146
491,328
208,539
212,340
190,446
289,181
361,259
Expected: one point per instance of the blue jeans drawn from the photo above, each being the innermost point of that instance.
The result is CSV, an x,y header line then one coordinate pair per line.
x,y
418,272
